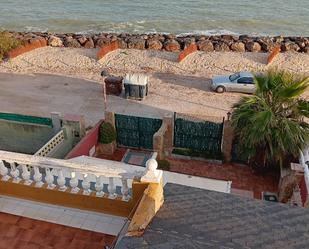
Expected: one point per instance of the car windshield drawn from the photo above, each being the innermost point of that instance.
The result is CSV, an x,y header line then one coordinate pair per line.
x,y
234,76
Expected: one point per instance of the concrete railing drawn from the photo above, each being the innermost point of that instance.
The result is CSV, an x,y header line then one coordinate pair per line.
x,y
51,144
75,178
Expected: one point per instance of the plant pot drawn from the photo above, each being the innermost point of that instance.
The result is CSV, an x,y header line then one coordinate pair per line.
x,y
106,149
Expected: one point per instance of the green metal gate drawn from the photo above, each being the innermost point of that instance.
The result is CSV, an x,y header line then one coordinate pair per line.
x,y
202,136
135,131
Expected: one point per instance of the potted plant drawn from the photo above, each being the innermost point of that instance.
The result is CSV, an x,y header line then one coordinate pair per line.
x,y
107,139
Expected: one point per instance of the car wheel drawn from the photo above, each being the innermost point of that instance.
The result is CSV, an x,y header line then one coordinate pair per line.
x,y
220,89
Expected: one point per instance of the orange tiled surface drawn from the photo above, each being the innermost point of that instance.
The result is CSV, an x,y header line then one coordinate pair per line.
x,y
23,233
242,177
117,156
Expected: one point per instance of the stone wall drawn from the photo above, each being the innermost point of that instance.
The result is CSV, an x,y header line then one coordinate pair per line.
x,y
170,42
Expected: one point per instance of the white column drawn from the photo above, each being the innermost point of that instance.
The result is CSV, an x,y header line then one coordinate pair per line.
x,y
152,174
49,178
125,189
99,186
15,173
61,181
25,175
4,172
111,188
74,183
86,185
37,177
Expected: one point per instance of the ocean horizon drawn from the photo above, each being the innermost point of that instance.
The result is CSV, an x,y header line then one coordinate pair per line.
x,y
212,17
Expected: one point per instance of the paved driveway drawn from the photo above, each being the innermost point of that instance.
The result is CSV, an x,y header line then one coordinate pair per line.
x,y
41,94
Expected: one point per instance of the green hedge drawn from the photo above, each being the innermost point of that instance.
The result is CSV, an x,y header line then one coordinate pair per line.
x,y
194,153
107,133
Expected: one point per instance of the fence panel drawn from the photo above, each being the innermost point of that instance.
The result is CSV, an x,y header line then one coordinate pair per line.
x,y
135,131
238,156
199,136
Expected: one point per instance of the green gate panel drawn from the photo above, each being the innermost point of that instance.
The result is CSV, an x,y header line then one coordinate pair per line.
x,y
135,131
238,156
199,136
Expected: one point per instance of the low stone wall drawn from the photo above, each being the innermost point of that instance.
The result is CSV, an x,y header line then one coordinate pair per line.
x,y
170,42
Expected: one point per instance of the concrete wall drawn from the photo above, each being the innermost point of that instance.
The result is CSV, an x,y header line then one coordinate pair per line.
x,y
23,137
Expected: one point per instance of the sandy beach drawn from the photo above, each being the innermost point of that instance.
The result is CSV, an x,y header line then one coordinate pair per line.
x,y
181,87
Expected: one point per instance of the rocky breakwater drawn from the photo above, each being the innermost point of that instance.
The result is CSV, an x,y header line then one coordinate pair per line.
x,y
172,43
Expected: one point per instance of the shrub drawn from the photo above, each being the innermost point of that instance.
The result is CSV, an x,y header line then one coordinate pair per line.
x,y
7,43
163,164
107,133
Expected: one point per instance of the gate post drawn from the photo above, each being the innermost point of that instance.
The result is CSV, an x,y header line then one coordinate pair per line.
x,y
227,140
110,118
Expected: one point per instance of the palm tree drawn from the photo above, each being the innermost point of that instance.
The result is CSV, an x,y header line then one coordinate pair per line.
x,y
272,125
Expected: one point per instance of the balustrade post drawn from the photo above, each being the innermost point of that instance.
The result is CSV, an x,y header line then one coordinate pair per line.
x,y
4,172
111,188
49,178
86,185
74,183
26,175
15,173
37,177
125,189
99,187
61,181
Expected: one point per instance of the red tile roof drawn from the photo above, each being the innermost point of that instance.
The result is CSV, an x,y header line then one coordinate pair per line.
x,y
23,233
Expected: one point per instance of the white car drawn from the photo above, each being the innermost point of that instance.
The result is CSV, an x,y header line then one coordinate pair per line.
x,y
238,82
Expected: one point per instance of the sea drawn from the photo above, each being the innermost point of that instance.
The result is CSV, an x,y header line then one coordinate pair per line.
x,y
208,17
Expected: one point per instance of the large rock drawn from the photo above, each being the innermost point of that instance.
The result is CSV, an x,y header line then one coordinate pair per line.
x,y
238,47
267,44
89,43
69,41
221,47
136,43
154,44
55,41
252,46
103,41
289,46
306,49
171,46
205,45
82,40
122,44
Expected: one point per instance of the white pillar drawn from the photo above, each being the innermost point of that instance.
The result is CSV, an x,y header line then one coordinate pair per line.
x,y
86,185
125,189
49,178
152,174
4,172
61,181
25,175
74,183
37,177
111,188
99,186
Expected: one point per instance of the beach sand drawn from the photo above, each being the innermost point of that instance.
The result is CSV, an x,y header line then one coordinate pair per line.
x,y
174,87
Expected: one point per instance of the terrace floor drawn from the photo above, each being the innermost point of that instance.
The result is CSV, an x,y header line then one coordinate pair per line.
x,y
18,232
245,181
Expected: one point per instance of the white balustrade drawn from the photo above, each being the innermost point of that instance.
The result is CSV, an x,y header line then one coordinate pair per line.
x,y
26,175
99,186
61,181
4,171
15,173
111,188
125,189
37,177
42,171
86,185
74,183
49,178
